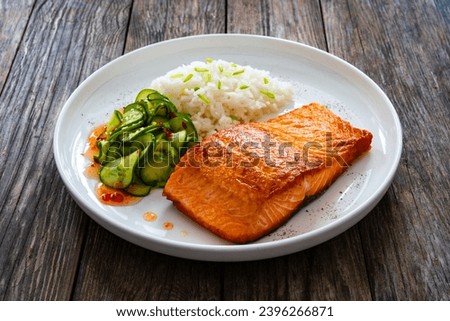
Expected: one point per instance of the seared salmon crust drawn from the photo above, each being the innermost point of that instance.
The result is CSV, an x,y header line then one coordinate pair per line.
x,y
245,181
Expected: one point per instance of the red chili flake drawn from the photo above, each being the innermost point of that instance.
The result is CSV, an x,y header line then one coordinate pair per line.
x,y
106,197
113,197
117,197
168,133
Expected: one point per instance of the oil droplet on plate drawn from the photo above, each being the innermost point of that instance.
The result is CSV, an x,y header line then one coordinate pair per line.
x,y
94,136
92,170
168,226
150,216
184,233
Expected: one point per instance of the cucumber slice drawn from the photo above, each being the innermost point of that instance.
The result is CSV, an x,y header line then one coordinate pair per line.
x,y
157,99
156,171
178,139
144,140
142,95
183,122
114,122
115,150
103,147
132,119
140,134
138,188
139,106
155,103
119,173
158,120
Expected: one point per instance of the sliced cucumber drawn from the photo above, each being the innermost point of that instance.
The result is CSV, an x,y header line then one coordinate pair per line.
x,y
138,188
158,120
141,146
142,95
183,122
120,172
114,122
143,140
132,119
178,139
155,103
103,147
156,171
139,106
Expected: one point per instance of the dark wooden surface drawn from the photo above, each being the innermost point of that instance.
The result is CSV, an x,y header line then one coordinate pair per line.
x,y
51,250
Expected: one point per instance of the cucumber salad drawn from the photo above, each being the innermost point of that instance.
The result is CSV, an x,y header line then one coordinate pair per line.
x,y
141,145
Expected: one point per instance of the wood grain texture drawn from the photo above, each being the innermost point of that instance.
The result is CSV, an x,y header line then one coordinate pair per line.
x,y
330,271
291,19
13,21
41,228
51,250
408,47
112,269
158,20
334,270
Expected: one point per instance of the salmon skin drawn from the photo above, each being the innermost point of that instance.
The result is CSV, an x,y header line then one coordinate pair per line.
x,y
245,181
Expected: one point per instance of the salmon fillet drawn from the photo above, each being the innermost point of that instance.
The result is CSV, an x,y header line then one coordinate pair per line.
x,y
243,182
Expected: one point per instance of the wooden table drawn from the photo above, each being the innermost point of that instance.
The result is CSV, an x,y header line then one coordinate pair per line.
x,y
51,250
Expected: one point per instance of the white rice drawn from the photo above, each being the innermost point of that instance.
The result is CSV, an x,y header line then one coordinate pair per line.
x,y
218,94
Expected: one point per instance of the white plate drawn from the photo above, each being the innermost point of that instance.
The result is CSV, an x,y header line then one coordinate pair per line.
x,y
317,76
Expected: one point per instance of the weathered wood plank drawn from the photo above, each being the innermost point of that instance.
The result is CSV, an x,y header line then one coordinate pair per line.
x,y
140,274
49,249
291,19
113,269
408,50
259,280
158,20
13,20
334,270
41,228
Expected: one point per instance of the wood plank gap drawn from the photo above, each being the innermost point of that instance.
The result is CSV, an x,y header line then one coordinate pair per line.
x,y
77,275
226,16
327,48
366,264
354,23
265,17
130,12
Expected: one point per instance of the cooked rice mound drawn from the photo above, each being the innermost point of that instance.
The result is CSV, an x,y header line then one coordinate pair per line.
x,y
218,94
